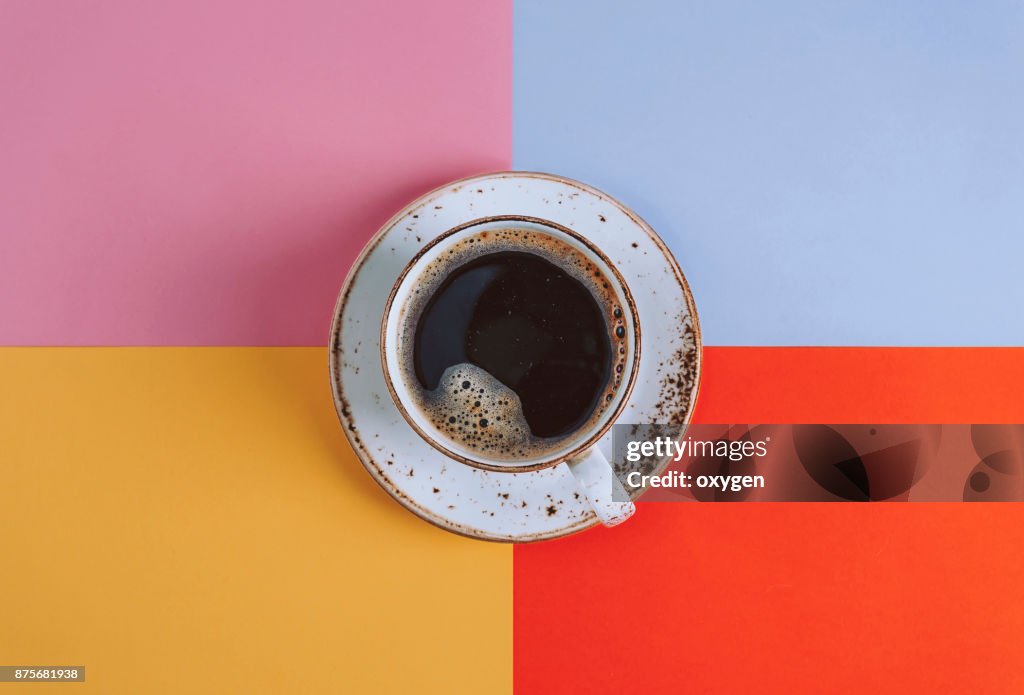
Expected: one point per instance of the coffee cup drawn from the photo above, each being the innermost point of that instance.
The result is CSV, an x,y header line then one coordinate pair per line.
x,y
511,344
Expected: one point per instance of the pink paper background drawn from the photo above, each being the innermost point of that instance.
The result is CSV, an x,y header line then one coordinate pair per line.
x,y
204,174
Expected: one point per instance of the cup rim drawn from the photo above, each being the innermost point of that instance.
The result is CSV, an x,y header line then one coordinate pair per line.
x,y
610,418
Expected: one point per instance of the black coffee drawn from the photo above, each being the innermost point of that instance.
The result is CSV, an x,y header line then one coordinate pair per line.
x,y
516,340
527,323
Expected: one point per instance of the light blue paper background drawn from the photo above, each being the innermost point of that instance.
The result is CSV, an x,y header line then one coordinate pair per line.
x,y
827,173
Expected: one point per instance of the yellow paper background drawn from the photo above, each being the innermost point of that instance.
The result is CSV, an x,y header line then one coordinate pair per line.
x,y
193,520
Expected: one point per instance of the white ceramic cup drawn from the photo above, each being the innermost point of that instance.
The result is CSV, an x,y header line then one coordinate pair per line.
x,y
579,452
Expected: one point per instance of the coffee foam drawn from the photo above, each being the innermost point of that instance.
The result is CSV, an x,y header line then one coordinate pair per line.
x,y
480,413
508,438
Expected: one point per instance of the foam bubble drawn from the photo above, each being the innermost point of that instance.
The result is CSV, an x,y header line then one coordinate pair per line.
x,y
480,413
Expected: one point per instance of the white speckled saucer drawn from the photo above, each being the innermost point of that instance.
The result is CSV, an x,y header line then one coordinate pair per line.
x,y
498,506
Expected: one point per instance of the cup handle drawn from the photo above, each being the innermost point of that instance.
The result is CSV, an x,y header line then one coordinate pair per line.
x,y
602,488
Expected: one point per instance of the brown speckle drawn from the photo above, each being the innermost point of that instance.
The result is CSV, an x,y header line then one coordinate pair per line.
x,y
552,510
602,218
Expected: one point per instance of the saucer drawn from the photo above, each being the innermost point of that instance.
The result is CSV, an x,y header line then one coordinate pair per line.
x,y
497,506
